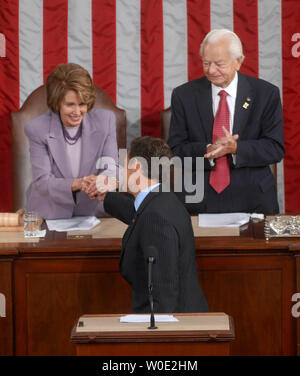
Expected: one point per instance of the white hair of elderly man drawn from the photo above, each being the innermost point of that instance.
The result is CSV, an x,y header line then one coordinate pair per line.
x,y
216,35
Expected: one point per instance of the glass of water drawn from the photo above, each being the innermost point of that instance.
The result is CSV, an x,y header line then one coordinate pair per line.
x,y
31,224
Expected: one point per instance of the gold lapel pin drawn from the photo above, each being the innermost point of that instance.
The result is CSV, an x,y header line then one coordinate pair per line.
x,y
246,105
248,99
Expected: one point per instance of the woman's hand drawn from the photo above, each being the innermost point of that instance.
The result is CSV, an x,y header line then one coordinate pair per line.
x,y
89,186
77,184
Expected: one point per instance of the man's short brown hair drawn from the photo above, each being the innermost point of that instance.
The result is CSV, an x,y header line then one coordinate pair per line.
x,y
67,77
147,147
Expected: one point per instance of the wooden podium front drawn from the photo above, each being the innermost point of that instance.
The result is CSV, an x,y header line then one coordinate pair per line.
x,y
193,335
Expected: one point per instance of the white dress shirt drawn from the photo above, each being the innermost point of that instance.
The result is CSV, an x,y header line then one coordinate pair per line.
x,y
231,90
142,195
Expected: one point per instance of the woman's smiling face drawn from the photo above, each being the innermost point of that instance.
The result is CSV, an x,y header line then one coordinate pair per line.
x,y
72,109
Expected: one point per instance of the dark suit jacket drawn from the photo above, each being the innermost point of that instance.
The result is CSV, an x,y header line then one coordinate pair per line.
x,y
260,143
163,222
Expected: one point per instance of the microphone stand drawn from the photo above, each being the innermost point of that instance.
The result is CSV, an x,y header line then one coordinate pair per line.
x,y
151,261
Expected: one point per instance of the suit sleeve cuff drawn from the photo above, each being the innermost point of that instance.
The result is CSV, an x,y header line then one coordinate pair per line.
x,y
210,160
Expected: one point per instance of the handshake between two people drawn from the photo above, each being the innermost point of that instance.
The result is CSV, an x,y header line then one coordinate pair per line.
x,y
96,186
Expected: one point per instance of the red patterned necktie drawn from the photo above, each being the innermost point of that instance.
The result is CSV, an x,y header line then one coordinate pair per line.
x,y
219,178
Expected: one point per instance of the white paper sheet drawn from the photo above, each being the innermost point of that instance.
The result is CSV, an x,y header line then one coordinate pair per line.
x,y
74,223
223,220
146,318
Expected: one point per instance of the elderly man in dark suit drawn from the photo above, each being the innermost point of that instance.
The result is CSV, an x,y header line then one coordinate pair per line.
x,y
235,122
155,218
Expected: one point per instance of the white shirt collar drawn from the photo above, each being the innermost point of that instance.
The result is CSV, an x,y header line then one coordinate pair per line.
x,y
231,89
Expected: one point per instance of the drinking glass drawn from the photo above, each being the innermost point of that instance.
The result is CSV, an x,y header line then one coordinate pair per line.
x,y
31,224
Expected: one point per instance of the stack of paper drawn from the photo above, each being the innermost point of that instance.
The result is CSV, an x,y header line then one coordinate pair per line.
x,y
146,318
223,220
75,223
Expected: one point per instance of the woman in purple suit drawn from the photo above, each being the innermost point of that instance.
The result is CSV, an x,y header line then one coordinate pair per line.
x,y
66,143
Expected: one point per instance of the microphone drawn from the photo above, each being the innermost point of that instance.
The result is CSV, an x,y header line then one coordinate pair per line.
x,y
151,256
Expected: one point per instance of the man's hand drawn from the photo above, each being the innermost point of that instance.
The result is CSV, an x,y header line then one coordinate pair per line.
x,y
89,186
223,146
101,196
106,183
98,186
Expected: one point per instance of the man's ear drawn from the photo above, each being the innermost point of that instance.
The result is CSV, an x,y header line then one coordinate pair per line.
x,y
239,63
134,164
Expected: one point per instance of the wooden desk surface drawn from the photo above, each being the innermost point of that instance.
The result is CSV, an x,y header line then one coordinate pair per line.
x,y
107,237
197,321
103,328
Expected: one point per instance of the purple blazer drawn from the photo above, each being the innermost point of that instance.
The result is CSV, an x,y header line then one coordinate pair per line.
x,y
50,193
